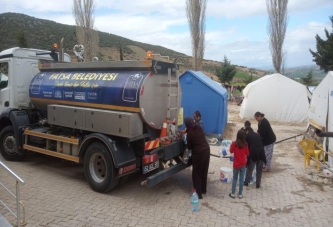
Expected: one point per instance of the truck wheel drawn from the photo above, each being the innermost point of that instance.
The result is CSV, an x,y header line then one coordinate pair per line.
x,y
8,145
99,168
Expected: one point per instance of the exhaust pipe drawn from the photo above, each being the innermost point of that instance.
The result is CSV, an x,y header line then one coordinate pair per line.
x,y
323,134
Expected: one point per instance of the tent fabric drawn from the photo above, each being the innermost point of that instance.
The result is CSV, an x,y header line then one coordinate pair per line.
x,y
321,107
199,92
321,98
278,97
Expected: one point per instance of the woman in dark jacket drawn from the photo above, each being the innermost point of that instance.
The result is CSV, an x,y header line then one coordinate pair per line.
x,y
268,138
256,156
196,141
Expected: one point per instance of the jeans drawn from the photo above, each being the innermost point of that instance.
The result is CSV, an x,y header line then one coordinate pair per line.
x,y
241,172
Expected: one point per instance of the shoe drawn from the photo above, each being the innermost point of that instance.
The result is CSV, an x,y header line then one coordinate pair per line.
x,y
204,192
246,184
258,186
231,195
200,197
265,170
240,196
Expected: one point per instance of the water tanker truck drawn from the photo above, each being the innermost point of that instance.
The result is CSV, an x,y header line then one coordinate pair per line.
x,y
110,116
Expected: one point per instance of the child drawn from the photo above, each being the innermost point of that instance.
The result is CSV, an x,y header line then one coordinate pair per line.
x,y
241,151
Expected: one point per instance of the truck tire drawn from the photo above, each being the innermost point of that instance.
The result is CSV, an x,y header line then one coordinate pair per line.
x,y
8,145
99,168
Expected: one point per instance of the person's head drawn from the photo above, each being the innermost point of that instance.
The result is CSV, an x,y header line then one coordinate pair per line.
x,y
197,116
258,116
248,129
247,124
241,139
189,123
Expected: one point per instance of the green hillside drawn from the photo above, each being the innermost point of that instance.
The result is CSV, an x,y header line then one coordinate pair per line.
x,y
41,34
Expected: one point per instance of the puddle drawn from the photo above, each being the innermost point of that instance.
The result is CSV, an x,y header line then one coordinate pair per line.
x,y
308,182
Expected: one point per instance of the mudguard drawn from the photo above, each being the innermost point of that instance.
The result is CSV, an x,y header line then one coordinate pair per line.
x,y
19,119
122,153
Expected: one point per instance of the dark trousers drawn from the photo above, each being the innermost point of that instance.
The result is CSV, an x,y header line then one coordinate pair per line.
x,y
200,165
259,165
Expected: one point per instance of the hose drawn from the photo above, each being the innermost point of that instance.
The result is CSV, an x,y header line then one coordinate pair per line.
x,y
288,138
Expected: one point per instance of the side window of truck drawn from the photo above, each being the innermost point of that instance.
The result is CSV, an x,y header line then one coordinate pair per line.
x,y
3,75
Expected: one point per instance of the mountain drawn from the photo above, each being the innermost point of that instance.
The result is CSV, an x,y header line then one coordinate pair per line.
x,y
298,72
303,71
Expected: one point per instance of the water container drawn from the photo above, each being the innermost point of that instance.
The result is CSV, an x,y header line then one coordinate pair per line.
x,y
185,138
253,176
328,172
186,156
225,174
226,143
231,157
223,152
194,201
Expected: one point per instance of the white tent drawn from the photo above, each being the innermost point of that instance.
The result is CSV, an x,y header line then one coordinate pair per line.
x,y
278,97
321,107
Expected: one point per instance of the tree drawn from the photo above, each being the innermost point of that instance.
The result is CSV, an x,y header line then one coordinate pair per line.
x,y
83,12
21,40
226,72
308,80
277,26
248,80
196,15
324,55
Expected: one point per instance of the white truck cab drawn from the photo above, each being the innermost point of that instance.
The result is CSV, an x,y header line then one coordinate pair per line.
x,y
17,68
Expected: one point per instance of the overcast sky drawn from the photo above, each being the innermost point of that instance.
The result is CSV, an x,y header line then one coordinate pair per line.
x,y
235,28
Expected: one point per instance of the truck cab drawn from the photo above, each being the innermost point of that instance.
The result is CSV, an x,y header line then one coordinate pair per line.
x,y
17,68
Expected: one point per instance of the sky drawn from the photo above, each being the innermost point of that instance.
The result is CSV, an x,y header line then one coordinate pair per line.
x,y
236,29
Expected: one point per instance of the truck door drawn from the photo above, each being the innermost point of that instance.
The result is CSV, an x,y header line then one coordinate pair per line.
x,y
4,88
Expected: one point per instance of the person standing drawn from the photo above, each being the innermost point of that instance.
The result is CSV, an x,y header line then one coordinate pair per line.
x,y
196,141
256,156
246,124
240,150
198,120
268,138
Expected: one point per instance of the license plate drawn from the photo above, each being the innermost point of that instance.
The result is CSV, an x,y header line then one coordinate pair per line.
x,y
150,167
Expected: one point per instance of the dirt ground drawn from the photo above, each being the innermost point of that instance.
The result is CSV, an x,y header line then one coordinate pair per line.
x,y
279,127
